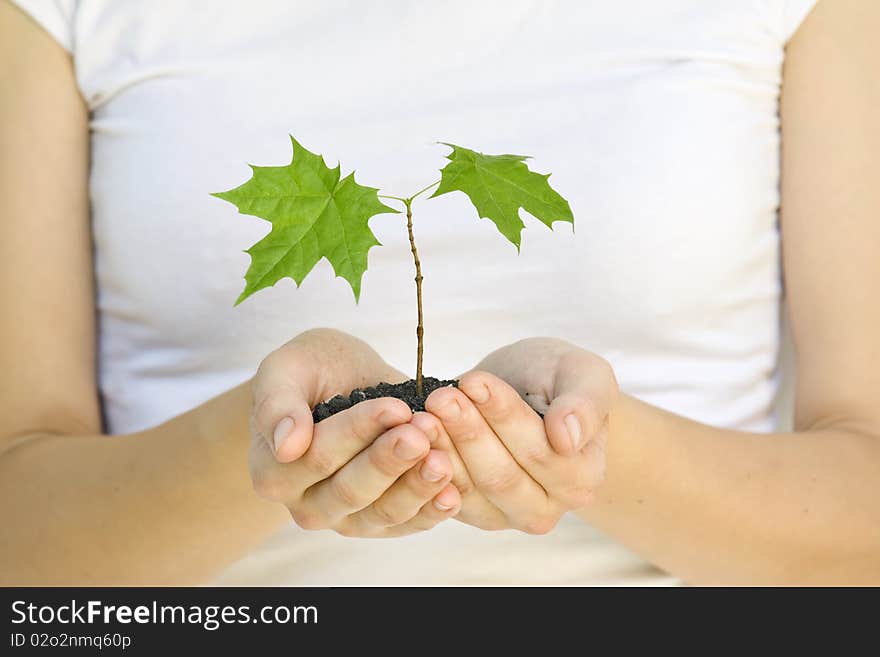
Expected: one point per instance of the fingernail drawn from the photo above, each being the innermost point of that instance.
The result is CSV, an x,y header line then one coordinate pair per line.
x,y
427,427
574,431
480,393
451,411
407,450
428,474
388,418
441,507
282,431
432,433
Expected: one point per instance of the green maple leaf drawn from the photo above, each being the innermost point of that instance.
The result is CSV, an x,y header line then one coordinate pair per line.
x,y
498,186
314,215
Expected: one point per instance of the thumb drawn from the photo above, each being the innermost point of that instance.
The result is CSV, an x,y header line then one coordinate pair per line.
x,y
583,392
282,413
283,419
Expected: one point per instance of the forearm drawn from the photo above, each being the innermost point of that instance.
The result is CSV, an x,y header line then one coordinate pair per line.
x,y
170,505
716,506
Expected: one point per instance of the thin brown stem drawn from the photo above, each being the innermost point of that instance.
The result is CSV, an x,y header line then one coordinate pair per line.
x,y
420,329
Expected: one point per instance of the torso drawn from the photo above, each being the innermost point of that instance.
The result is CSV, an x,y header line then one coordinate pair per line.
x,y
658,120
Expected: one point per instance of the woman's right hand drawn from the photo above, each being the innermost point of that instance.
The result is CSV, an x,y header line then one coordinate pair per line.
x,y
363,472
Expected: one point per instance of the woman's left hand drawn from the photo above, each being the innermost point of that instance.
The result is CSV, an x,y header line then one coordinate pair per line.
x,y
514,470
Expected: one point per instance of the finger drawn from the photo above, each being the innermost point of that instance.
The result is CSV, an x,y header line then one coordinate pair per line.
x,y
341,437
583,392
369,474
519,428
406,496
475,510
588,474
446,504
568,479
494,471
595,456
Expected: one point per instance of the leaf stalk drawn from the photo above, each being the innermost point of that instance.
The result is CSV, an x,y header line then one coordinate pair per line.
x,y
423,190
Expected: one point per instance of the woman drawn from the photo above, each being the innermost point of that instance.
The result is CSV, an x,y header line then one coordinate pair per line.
x,y
661,122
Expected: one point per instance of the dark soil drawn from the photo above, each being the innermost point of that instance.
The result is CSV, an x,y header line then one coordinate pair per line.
x,y
405,391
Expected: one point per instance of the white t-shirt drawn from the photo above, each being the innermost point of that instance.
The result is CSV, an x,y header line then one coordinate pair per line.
x,y
658,119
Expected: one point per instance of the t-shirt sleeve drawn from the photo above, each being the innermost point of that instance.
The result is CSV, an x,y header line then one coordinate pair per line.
x,y
54,16
793,14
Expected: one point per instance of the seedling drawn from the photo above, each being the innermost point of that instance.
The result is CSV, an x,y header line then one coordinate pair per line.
x,y
316,214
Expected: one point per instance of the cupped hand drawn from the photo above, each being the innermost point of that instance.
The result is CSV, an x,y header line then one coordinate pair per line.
x,y
366,471
513,469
